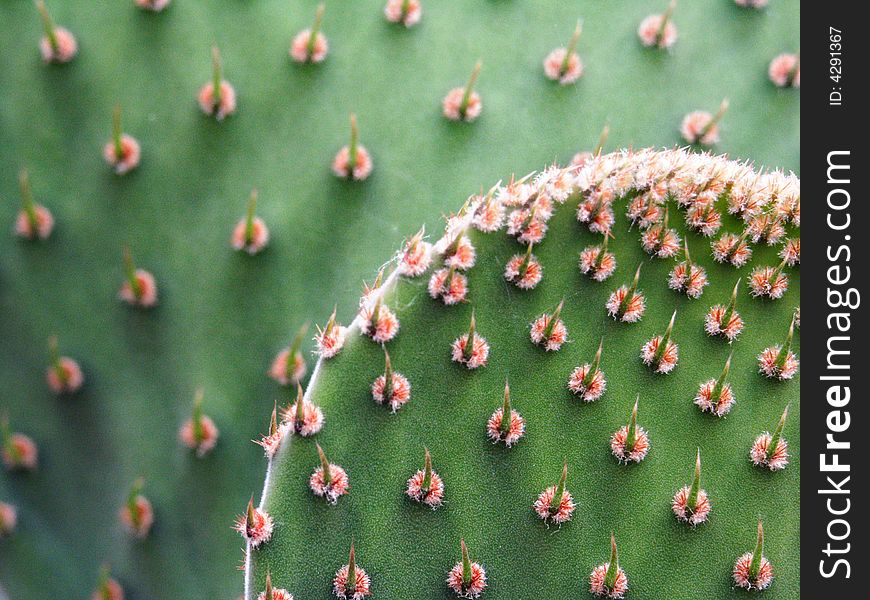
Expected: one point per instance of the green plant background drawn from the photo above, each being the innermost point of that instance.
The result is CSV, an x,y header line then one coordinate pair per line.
x,y
222,315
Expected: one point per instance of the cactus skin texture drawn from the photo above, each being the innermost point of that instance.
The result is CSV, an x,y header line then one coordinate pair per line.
x,y
223,315
487,487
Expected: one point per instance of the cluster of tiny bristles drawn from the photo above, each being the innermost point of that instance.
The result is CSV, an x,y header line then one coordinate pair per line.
x,y
347,590
271,443
625,305
742,573
597,266
634,454
689,279
461,257
65,377
661,362
19,453
475,586
762,456
448,286
525,274
708,400
698,128
259,530
589,387
768,282
514,432
277,594
558,514
688,514
201,437
772,363
287,369
137,517
338,486
563,67
703,218
415,257
311,421
598,585
715,325
660,242
730,248
144,294
329,342
548,333
399,393
252,242
431,496
479,351
384,329
8,519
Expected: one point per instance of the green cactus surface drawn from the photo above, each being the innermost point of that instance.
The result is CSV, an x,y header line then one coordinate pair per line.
x,y
223,315
489,489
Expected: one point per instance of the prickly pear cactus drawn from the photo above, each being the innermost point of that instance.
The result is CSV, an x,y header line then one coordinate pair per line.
x,y
602,388
133,472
